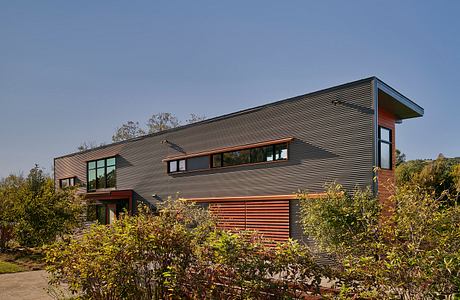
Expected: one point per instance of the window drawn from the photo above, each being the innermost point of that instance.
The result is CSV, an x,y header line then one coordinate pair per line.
x,y
66,182
101,174
385,148
177,166
252,155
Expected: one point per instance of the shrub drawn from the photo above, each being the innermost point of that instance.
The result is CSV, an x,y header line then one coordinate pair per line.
x,y
179,253
412,254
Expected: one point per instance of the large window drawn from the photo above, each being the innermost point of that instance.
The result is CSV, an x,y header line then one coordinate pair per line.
x,y
252,155
385,148
66,182
101,174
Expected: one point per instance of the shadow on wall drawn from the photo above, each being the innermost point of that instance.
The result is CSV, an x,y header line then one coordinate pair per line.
x,y
303,152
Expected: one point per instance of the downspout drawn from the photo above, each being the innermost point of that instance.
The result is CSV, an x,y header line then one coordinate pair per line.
x,y
375,99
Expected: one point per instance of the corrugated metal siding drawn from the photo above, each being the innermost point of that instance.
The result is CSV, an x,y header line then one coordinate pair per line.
x,y
332,143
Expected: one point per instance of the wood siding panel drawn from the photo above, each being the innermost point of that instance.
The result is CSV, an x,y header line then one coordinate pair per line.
x,y
269,218
386,178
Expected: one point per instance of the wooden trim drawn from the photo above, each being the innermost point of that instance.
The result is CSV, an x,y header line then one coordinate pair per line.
x,y
227,149
251,198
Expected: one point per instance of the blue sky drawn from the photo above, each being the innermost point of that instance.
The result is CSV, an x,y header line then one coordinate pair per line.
x,y
72,71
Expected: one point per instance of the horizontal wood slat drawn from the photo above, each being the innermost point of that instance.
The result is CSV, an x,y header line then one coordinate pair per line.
x,y
268,217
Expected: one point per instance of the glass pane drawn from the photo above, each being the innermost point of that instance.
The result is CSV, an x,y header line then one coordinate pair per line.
x,y
111,179
111,161
217,160
100,178
262,154
198,163
91,165
101,163
385,134
385,156
64,183
237,157
173,166
281,152
72,181
182,165
91,180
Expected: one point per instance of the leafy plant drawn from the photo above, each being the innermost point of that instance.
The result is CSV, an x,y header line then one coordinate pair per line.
x,y
414,253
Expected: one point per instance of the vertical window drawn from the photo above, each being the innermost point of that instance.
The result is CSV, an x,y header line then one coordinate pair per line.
x,y
385,148
101,174
217,160
281,152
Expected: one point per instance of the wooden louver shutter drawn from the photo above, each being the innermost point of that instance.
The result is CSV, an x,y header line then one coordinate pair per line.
x,y
269,217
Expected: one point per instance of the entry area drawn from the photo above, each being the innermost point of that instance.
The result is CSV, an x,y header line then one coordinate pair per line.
x,y
107,206
108,211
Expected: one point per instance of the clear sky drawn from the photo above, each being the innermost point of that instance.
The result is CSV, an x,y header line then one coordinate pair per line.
x,y
72,71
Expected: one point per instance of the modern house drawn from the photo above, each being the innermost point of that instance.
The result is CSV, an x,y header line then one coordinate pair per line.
x,y
247,166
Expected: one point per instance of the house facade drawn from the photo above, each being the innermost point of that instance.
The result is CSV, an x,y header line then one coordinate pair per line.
x,y
247,166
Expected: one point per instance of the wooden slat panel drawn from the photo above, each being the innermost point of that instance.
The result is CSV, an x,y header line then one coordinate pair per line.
x,y
269,217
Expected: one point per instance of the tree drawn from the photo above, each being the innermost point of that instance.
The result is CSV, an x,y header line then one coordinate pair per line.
x,y
127,131
162,121
89,145
195,118
41,212
400,157
8,201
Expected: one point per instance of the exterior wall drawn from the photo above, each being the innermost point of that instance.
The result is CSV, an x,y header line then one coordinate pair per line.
x,y
386,178
331,143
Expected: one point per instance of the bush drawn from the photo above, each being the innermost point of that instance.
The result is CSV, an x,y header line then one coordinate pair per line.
x,y
33,212
412,254
179,253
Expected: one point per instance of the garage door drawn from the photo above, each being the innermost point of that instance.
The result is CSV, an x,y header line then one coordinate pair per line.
x,y
268,217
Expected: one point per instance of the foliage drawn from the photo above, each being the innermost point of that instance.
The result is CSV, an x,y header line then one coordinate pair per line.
x,y
178,253
400,157
162,121
127,131
341,223
440,176
8,200
194,118
34,212
412,254
89,145
7,267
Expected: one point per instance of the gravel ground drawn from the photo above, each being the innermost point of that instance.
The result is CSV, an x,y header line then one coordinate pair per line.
x,y
24,286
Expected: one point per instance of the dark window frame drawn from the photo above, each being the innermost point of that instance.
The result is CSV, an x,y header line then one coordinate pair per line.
x,y
178,166
105,173
273,146
390,143
73,178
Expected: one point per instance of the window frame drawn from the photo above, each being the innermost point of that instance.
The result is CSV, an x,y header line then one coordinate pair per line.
x,y
178,170
73,178
272,146
88,169
389,143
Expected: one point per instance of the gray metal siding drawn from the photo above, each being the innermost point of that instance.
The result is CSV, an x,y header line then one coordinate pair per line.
x,y
332,143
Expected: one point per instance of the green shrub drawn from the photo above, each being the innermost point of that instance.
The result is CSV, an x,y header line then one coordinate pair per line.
x,y
179,253
412,254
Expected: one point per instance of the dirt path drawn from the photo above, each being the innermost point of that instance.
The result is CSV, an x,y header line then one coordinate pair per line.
x,y
24,286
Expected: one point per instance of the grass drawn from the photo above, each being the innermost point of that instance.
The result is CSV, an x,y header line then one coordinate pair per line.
x,y
7,267
19,260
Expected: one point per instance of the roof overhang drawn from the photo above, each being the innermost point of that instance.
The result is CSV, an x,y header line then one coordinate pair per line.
x,y
393,101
